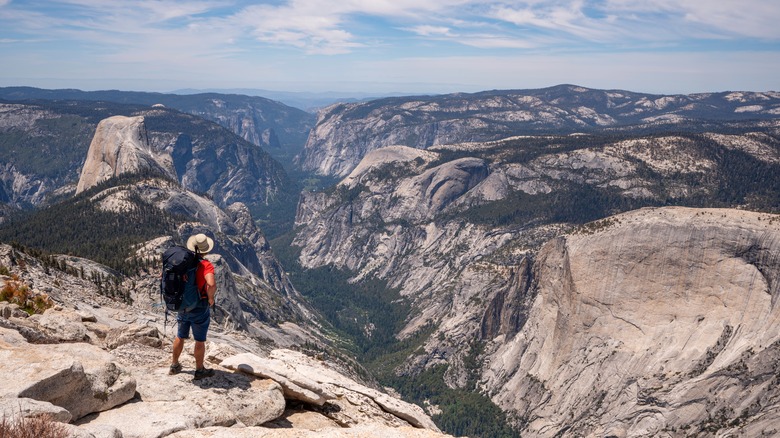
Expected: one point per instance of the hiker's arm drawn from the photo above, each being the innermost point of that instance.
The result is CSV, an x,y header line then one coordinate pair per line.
x,y
211,287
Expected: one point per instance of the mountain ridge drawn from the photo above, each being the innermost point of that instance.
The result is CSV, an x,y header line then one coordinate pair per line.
x,y
278,128
459,230
344,133
43,147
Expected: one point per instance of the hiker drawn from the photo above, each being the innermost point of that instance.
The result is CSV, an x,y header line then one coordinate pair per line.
x,y
198,318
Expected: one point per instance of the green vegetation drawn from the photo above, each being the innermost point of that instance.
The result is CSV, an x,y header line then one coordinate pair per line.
x,y
463,411
368,315
78,227
56,149
578,204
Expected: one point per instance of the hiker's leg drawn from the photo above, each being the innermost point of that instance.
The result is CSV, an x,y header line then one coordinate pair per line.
x,y
182,333
178,347
200,353
200,329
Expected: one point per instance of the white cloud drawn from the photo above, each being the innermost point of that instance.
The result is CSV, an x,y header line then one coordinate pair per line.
x,y
299,25
567,18
428,30
750,18
482,41
338,26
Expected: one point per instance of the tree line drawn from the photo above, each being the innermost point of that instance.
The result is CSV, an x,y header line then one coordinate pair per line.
x,y
79,227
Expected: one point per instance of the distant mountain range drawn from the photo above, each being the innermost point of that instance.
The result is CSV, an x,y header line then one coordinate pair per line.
x,y
344,133
534,244
280,129
307,101
43,145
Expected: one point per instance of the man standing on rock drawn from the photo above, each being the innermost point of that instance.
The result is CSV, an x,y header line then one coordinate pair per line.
x,y
198,319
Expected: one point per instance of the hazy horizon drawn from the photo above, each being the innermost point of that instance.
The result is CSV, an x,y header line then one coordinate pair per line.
x,y
398,47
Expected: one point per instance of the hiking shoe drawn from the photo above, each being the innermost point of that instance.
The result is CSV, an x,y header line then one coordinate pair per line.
x,y
175,369
203,373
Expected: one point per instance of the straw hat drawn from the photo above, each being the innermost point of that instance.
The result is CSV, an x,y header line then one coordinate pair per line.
x,y
200,243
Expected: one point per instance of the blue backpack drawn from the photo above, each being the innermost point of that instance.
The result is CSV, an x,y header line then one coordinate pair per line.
x,y
177,285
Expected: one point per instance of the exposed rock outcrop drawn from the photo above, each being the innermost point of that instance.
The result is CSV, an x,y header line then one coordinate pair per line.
x,y
646,323
78,377
309,381
121,145
456,227
651,322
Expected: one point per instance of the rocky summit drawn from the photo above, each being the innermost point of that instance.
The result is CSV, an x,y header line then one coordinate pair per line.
x,y
99,368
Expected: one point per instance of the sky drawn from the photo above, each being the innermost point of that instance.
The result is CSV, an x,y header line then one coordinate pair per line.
x,y
387,46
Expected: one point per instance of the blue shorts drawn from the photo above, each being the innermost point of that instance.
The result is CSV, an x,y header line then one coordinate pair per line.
x,y
197,320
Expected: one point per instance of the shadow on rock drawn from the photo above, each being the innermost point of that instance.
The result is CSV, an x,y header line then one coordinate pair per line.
x,y
224,380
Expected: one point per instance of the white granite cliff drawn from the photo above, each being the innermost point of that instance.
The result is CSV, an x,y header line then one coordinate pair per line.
x,y
121,145
651,322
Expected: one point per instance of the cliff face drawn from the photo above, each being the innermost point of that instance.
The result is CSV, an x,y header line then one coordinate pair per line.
x,y
397,217
256,294
655,320
50,142
454,226
121,145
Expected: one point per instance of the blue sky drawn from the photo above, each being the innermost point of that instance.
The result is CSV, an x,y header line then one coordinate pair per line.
x,y
408,46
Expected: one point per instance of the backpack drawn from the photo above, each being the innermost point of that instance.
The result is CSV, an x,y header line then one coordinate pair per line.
x,y
177,285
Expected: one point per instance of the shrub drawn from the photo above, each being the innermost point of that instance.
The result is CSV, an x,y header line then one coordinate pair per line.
x,y
41,427
31,302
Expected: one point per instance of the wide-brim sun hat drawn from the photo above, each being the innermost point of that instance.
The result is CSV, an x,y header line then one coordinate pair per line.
x,y
200,243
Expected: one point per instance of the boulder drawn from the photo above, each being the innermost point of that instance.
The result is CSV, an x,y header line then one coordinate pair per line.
x,y
138,333
10,337
8,310
63,326
14,408
306,379
78,377
26,330
296,385
101,431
